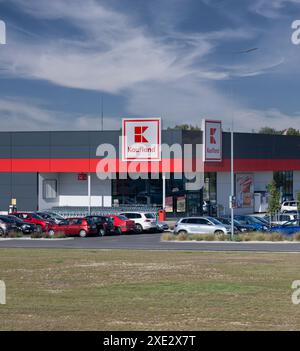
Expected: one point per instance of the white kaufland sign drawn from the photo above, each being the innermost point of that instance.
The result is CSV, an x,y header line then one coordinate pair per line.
x,y
141,139
212,140
2,32
2,293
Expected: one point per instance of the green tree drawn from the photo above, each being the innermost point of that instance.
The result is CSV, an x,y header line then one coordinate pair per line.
x,y
274,198
273,131
185,127
292,131
269,130
298,199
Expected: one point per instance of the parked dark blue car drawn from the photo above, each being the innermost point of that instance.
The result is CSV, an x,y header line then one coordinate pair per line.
x,y
287,228
238,225
256,223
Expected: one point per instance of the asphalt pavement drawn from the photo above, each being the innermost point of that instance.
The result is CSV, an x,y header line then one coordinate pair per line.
x,y
149,241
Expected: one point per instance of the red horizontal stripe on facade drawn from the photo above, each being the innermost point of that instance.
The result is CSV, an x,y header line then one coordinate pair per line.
x,y
85,165
253,165
116,165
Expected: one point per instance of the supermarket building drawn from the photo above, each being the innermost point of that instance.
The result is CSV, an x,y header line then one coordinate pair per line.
x,y
46,169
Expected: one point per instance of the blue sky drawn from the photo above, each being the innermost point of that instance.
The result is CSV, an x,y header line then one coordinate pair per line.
x,y
178,59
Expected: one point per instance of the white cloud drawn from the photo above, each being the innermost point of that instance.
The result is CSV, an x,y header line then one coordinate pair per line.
x,y
190,103
17,114
111,52
175,104
271,8
169,75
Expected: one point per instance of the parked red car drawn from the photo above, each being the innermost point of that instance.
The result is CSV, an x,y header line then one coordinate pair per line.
x,y
74,226
122,224
29,217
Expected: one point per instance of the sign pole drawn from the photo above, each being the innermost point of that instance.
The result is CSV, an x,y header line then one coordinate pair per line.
x,y
232,184
163,190
89,193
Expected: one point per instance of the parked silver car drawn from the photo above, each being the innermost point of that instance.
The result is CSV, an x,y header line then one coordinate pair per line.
x,y
6,226
201,225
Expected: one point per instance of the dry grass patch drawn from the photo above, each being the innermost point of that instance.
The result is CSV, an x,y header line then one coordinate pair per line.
x,y
147,290
253,236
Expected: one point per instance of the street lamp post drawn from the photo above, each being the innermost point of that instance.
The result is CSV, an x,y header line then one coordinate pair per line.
x,y
232,181
231,199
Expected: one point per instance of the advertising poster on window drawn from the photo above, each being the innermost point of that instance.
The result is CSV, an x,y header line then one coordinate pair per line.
x,y
181,204
244,190
169,204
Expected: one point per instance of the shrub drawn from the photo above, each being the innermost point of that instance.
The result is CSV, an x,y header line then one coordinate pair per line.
x,y
15,234
276,237
247,237
258,236
59,235
289,238
221,237
296,237
45,235
36,235
182,236
167,237
253,236
209,237
237,237
197,237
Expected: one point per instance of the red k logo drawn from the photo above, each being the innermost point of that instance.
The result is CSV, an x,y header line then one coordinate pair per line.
x,y
138,134
212,134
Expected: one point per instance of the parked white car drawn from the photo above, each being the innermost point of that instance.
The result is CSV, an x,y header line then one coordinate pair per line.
x,y
143,220
281,218
289,206
201,225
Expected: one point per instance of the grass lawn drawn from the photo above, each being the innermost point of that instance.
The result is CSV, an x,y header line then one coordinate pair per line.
x,y
147,290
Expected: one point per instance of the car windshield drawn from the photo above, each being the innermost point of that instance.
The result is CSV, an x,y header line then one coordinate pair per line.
x,y
95,219
262,220
123,218
294,223
150,215
224,221
236,222
214,221
43,215
91,220
55,215
16,219
6,219
34,215
255,220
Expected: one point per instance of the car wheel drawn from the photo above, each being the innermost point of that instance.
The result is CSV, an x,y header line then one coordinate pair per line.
x,y
82,233
219,232
1,232
39,228
138,228
182,232
51,233
101,232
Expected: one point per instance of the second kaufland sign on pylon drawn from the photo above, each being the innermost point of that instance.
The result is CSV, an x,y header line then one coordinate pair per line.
x,y
212,140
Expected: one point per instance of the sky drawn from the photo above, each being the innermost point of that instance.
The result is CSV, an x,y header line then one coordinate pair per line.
x,y
181,60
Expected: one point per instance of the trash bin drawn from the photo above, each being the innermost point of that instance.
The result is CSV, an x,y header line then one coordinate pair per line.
x,y
161,215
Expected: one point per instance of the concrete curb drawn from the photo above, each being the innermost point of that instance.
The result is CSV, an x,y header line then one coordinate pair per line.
x,y
228,242
44,239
